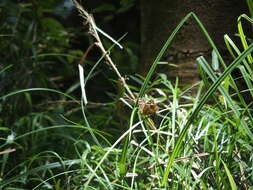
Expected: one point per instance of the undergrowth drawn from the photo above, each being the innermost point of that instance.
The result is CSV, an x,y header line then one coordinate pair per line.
x,y
171,140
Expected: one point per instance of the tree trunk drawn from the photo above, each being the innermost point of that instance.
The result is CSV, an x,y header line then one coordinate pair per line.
x,y
159,18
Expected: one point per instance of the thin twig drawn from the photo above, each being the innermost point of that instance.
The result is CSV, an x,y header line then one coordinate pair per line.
x,y
88,18
7,151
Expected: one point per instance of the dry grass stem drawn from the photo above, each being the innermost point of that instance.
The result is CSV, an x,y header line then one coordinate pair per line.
x,y
7,151
93,31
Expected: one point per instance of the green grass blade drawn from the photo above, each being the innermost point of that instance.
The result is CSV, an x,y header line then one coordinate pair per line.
x,y
6,68
54,176
230,44
225,93
250,6
209,39
166,45
122,162
168,42
38,89
247,78
109,151
38,169
203,100
54,54
230,177
88,125
207,84
242,35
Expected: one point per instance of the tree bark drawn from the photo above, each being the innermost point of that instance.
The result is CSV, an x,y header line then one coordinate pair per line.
x,y
159,18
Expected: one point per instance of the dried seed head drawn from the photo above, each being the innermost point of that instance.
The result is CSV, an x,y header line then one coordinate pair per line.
x,y
148,107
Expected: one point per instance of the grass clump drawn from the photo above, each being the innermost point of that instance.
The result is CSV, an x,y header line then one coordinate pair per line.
x,y
172,140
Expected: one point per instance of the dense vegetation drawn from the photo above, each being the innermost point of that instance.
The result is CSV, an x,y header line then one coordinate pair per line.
x,y
71,119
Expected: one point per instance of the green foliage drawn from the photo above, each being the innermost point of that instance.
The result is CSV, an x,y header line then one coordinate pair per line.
x,y
44,130
250,5
165,139
203,129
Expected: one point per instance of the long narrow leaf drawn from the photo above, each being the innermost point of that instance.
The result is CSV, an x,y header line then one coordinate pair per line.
x,y
230,177
235,108
38,169
168,42
166,45
230,44
250,6
109,151
6,68
122,162
38,89
194,114
242,35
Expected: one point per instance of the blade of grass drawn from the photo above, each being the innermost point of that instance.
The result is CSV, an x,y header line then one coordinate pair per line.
x,y
38,89
6,68
201,60
122,162
109,150
166,45
242,35
230,44
168,42
88,125
54,176
100,133
210,92
207,84
54,54
38,169
250,6
247,78
230,177
195,112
